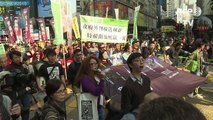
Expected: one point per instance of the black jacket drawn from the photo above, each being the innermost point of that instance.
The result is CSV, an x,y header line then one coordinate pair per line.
x,y
72,71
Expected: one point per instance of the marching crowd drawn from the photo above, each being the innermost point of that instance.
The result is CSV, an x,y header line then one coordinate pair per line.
x,y
47,70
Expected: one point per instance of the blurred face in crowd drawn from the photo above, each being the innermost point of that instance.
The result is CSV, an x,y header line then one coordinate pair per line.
x,y
152,46
38,55
57,49
88,45
129,49
59,95
202,47
181,45
102,47
78,57
207,47
93,64
138,44
16,59
51,59
27,62
93,45
118,47
3,62
105,55
137,64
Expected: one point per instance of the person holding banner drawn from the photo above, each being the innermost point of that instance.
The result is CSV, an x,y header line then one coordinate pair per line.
x,y
194,65
136,86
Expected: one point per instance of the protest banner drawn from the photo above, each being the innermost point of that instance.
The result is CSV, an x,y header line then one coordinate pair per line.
x,y
42,28
9,28
58,25
31,39
166,80
17,28
2,51
26,16
67,8
135,27
75,27
105,30
52,24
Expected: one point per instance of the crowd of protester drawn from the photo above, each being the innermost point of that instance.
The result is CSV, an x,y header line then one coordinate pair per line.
x,y
47,70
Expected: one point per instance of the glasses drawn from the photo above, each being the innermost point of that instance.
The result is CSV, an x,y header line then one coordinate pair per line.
x,y
93,63
61,91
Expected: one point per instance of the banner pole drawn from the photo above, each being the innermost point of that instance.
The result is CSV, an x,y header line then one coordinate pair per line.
x,y
65,64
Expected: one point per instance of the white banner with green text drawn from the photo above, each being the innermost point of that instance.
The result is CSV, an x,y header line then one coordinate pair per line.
x,y
107,30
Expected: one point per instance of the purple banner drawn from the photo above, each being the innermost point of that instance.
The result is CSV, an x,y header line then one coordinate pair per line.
x,y
165,79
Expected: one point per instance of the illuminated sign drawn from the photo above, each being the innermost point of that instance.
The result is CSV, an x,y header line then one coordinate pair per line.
x,y
8,3
202,28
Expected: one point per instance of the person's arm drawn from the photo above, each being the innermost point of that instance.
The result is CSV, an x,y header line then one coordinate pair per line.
x,y
71,73
89,86
14,110
62,76
126,97
39,78
63,79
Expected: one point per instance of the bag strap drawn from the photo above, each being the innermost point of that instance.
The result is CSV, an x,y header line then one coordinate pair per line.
x,y
81,88
52,70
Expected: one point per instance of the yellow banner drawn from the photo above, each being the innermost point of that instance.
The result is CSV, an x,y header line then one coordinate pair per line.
x,y
167,28
75,27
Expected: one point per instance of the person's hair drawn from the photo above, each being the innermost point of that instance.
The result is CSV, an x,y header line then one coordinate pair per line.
x,y
151,42
135,41
50,52
150,96
14,52
6,47
131,58
76,51
52,86
85,69
200,44
101,54
126,47
26,57
168,108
